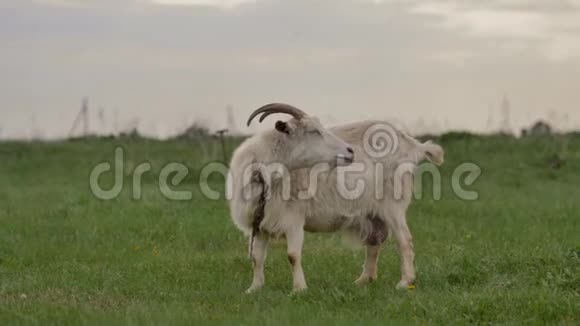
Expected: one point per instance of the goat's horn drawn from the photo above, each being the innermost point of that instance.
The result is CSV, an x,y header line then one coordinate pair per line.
x,y
272,108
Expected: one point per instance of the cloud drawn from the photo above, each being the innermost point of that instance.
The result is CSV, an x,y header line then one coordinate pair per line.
x,y
353,58
485,22
225,4
85,3
548,26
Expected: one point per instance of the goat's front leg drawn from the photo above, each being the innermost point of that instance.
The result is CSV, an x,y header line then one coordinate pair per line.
x,y
259,251
295,239
405,241
369,273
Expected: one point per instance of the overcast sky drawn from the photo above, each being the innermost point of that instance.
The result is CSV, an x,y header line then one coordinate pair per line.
x,y
161,64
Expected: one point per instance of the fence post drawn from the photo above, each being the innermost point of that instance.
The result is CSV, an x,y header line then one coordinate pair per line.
x,y
223,141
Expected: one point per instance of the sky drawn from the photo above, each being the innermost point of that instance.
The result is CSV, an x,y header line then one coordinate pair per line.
x,y
160,65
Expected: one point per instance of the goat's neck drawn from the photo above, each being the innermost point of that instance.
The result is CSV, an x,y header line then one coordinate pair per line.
x,y
270,148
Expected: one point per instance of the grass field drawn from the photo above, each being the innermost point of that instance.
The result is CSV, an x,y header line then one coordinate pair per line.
x,y
511,256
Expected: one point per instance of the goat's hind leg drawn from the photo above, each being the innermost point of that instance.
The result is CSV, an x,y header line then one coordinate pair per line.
x,y
405,241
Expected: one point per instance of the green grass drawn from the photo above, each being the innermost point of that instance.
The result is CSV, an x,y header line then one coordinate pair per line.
x,y
512,256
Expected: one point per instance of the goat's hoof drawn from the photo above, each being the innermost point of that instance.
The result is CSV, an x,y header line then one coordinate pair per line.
x,y
299,290
405,285
252,289
364,280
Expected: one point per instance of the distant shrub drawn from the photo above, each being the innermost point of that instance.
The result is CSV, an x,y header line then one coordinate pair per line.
x,y
196,130
458,135
133,134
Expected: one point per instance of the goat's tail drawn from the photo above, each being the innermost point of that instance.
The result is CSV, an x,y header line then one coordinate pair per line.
x,y
433,152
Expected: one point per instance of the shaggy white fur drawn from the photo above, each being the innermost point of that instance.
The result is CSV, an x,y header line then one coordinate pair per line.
x,y
312,186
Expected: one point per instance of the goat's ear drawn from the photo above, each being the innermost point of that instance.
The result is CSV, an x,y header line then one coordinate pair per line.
x,y
283,127
434,153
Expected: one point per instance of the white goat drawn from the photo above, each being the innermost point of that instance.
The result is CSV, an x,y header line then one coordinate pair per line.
x,y
297,177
